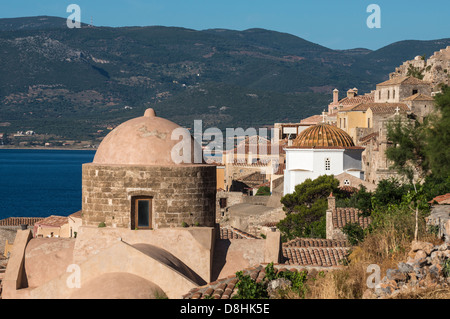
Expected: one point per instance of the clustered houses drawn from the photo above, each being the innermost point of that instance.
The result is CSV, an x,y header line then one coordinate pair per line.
x,y
365,118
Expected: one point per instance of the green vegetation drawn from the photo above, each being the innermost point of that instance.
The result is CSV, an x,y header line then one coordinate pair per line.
x,y
76,83
249,288
305,208
263,191
415,72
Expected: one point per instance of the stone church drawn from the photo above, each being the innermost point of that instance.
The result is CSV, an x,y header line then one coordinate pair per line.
x,y
148,226
322,149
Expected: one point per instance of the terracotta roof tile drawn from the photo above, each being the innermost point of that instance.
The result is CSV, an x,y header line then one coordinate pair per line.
x,y
53,221
419,97
441,199
315,119
369,137
17,221
343,215
315,256
230,232
402,80
315,242
348,101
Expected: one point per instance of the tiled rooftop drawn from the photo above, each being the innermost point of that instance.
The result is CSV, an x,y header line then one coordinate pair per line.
x,y
315,256
343,215
441,199
402,80
315,242
17,221
53,221
226,288
230,232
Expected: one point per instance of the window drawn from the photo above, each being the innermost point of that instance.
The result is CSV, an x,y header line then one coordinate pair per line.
x,y
389,93
223,203
414,92
379,95
368,122
393,94
346,182
327,164
141,213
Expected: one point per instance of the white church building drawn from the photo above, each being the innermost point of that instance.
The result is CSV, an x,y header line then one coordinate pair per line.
x,y
321,149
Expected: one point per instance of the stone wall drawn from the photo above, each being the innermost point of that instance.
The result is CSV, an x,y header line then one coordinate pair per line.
x,y
8,233
180,194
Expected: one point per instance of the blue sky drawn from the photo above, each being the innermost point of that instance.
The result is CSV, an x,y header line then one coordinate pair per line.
x,y
337,24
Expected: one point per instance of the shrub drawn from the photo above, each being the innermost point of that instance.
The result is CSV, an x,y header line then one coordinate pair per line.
x,y
248,288
263,191
354,232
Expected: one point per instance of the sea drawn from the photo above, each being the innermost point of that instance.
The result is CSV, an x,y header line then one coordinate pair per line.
x,y
40,183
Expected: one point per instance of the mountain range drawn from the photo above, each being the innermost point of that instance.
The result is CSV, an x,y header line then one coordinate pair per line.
x,y
76,83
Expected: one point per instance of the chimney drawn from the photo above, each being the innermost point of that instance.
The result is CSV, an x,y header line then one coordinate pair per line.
x,y
356,91
331,202
350,93
329,216
335,96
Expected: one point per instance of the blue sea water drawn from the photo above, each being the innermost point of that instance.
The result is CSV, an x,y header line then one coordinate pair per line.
x,y
40,183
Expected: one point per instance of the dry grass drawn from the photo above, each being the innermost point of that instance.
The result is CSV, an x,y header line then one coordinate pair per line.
x,y
385,248
431,293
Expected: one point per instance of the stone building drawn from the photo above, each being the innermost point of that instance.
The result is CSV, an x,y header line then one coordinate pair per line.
x,y
338,217
399,88
133,183
148,226
366,122
434,70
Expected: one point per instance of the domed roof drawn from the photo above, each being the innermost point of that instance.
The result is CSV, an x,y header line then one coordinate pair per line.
x,y
323,135
118,285
146,140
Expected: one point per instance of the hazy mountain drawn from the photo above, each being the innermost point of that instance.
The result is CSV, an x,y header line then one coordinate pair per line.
x,y
74,82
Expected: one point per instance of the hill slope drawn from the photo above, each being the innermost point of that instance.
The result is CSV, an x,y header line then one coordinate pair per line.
x,y
74,82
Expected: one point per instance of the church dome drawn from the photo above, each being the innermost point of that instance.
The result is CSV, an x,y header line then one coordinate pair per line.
x,y
146,140
323,135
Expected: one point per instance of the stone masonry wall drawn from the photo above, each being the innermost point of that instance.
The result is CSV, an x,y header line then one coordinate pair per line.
x,y
179,194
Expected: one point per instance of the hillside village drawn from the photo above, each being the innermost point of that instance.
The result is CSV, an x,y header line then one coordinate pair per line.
x,y
203,229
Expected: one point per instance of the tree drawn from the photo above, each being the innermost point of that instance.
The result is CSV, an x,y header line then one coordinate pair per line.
x,y
414,72
407,153
438,136
306,206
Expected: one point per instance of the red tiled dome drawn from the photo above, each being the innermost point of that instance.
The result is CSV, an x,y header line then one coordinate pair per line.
x,y
323,135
